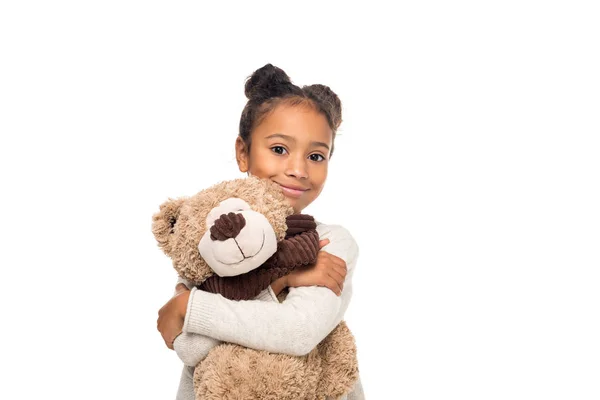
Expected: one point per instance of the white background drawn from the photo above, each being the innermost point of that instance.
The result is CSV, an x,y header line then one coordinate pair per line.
x,y
467,168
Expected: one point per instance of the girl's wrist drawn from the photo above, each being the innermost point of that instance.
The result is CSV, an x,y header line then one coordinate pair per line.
x,y
180,287
280,284
184,298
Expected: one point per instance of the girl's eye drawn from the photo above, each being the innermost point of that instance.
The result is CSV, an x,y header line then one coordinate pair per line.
x,y
317,157
278,149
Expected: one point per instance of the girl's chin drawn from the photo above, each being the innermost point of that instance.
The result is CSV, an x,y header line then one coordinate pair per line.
x,y
294,204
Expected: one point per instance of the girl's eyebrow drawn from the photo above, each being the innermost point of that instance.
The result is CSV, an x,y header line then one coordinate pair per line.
x,y
293,140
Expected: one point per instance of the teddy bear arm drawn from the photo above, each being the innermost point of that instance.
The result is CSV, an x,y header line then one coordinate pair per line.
x,y
298,250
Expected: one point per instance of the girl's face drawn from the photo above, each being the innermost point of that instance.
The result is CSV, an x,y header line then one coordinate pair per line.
x,y
291,147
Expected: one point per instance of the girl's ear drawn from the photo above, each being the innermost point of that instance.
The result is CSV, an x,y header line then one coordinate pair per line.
x,y
241,154
163,223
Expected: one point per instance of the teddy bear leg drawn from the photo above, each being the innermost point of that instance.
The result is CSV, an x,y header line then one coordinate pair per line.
x,y
339,362
232,372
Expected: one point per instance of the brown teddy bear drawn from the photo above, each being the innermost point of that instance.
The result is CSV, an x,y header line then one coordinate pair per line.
x,y
235,238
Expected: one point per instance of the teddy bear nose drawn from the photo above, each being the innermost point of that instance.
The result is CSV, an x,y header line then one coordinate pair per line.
x,y
227,226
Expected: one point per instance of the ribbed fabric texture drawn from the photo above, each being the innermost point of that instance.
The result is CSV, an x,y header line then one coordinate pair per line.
x,y
195,310
298,223
300,247
227,226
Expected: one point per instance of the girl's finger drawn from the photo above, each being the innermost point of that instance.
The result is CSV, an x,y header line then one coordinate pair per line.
x,y
323,243
340,270
338,290
339,279
332,285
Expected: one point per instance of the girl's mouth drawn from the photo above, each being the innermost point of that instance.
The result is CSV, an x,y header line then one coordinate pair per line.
x,y
292,192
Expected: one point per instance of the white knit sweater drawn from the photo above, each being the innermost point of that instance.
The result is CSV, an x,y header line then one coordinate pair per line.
x,y
295,326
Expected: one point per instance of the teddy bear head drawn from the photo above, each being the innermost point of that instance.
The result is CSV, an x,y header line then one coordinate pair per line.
x,y
195,231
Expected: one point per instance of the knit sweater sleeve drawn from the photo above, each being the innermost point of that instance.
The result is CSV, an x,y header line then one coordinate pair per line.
x,y
294,326
191,348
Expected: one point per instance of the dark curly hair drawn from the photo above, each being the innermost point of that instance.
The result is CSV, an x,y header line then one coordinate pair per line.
x,y
270,86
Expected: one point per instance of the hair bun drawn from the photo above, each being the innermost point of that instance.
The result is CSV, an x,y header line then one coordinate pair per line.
x,y
329,101
266,82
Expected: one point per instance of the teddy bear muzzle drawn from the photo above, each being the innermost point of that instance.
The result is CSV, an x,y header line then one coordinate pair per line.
x,y
237,242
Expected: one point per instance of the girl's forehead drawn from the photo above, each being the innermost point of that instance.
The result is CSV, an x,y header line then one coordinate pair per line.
x,y
300,123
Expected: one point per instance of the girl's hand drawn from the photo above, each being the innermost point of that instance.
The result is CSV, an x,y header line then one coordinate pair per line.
x,y
328,271
172,314
180,287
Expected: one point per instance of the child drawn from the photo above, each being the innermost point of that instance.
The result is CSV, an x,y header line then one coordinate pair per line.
x,y
286,135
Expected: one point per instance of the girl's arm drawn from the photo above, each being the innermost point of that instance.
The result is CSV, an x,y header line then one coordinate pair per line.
x,y
191,348
293,327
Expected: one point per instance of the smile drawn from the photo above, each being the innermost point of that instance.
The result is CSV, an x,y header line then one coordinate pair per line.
x,y
292,192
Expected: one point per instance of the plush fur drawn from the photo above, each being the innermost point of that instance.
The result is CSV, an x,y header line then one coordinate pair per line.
x,y
180,224
329,371
231,371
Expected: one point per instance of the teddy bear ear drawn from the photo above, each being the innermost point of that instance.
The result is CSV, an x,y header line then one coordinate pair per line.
x,y
163,223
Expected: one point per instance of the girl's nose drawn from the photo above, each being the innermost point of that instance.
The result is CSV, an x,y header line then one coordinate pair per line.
x,y
297,168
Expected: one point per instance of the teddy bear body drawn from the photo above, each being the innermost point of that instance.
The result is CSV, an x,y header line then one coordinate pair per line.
x,y
328,371
238,229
